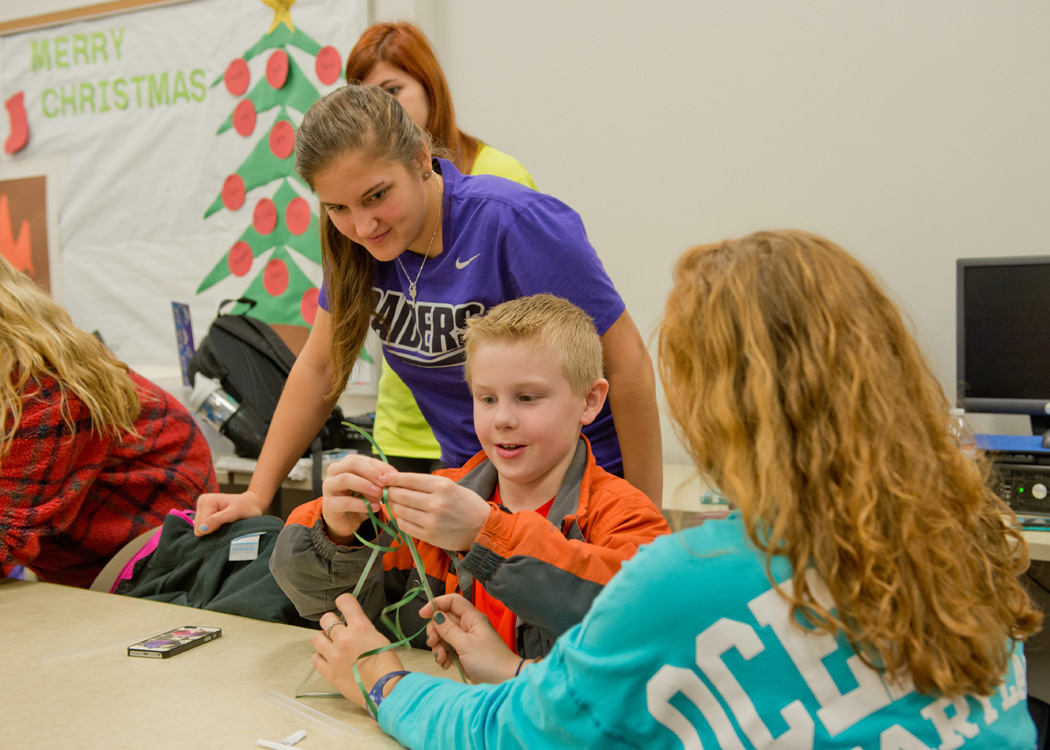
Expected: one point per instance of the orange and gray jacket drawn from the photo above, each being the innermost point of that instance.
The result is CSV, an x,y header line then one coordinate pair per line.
x,y
548,579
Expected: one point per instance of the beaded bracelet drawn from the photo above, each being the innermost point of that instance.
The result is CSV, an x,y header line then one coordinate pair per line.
x,y
376,693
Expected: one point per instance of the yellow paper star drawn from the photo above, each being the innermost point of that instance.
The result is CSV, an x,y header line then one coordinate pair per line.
x,y
282,13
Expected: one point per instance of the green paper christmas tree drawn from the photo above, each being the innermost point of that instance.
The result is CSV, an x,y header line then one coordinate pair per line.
x,y
283,227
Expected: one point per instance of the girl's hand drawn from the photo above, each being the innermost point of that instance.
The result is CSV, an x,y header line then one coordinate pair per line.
x,y
457,623
341,648
216,508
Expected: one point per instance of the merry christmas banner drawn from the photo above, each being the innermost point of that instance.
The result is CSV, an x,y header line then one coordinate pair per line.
x,y
174,127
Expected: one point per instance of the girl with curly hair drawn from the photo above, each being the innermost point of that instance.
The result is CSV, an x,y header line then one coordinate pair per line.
x,y
863,593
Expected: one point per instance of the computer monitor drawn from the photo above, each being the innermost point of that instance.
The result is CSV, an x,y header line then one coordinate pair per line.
x,y
1003,336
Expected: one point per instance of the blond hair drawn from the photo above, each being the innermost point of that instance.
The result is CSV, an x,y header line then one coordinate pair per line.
x,y
562,329
38,339
798,390
362,120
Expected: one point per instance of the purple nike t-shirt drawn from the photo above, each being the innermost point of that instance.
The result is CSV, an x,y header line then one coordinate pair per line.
x,y
501,240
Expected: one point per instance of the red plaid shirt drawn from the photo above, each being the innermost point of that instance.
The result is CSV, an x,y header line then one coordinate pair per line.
x,y
70,500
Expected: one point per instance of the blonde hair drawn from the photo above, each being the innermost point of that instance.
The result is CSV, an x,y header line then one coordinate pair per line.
x,y
37,339
363,120
798,390
560,327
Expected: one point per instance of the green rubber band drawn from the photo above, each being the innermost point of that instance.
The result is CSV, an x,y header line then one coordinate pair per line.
x,y
390,527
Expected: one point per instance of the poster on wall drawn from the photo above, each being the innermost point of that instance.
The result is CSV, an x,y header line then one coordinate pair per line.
x,y
29,221
23,227
176,126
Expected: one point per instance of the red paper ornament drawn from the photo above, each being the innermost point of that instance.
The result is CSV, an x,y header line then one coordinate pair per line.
x,y
282,139
233,192
275,277
277,68
264,217
240,258
328,65
237,77
308,305
297,215
244,117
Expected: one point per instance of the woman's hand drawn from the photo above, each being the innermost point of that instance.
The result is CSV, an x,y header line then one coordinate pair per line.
x,y
350,489
343,645
457,623
215,509
436,509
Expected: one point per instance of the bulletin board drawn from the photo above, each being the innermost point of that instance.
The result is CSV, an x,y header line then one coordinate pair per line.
x,y
174,126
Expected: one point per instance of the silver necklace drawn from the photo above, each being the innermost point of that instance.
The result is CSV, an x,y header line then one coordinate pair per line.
x,y
411,283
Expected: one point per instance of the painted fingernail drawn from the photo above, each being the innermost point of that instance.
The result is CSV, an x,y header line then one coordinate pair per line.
x,y
439,618
204,527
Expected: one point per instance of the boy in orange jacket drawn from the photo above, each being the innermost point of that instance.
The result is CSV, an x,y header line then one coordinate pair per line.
x,y
529,530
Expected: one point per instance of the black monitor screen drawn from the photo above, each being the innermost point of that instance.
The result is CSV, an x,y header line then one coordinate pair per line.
x,y
1004,330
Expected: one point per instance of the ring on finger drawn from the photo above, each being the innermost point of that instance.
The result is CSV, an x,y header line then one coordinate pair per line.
x,y
329,628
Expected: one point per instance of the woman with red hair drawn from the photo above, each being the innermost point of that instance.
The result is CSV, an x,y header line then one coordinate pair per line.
x,y
398,57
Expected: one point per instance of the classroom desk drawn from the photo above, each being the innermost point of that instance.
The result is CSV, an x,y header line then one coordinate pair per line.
x,y
682,493
68,681
1038,544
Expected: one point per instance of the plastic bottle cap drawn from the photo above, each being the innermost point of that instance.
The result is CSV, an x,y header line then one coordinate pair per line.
x,y
957,412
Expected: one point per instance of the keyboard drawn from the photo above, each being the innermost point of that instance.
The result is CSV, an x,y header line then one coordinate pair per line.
x,y
1034,523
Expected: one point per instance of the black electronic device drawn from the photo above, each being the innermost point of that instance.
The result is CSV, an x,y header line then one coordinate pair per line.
x,y
1002,330
1025,488
1020,472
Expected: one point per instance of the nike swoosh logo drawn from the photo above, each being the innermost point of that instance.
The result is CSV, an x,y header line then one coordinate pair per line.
x,y
461,264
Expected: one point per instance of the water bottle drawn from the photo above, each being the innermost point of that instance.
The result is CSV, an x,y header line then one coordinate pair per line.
x,y
961,433
236,421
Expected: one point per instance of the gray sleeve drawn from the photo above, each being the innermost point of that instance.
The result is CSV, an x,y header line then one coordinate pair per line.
x,y
313,571
544,595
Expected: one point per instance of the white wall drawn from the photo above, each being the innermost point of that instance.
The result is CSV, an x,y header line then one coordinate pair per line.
x,y
910,133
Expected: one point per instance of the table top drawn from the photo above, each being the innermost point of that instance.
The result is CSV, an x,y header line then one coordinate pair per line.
x,y
68,681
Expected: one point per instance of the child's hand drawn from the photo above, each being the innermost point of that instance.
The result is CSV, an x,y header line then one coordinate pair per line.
x,y
351,486
340,647
484,656
436,509
215,509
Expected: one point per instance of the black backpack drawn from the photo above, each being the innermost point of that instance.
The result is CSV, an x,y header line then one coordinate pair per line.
x,y
252,363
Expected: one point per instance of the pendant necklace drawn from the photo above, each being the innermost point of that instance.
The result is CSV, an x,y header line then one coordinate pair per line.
x,y
411,283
